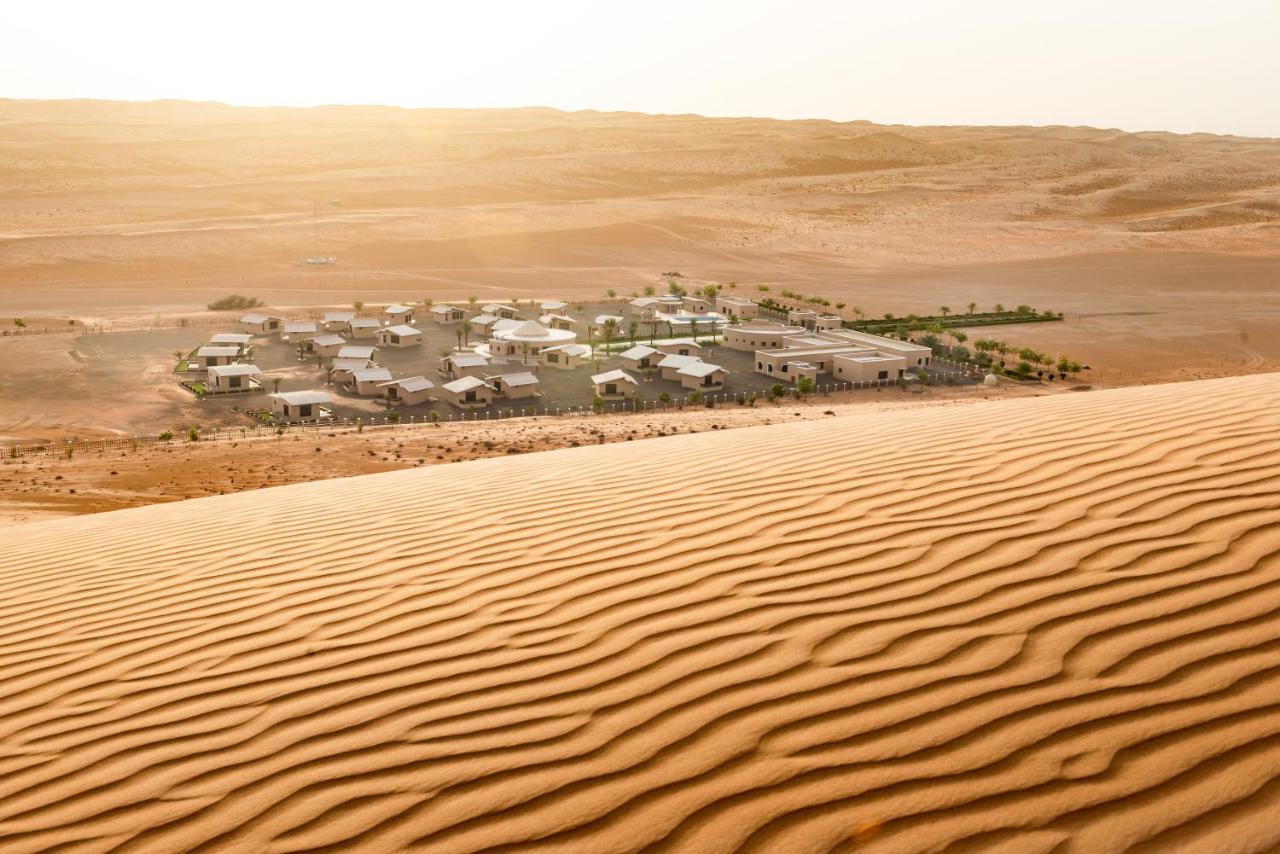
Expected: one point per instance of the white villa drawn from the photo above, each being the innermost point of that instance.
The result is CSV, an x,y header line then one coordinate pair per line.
x,y
364,327
645,308
670,365
298,330
615,385
355,351
554,306
295,406
326,345
261,324
566,356
515,386
527,340
498,309
679,347
447,314
467,393
410,391
398,314
229,378
368,382
557,321
342,369
640,357
701,376
338,321
458,365
211,355
738,308
399,336
232,339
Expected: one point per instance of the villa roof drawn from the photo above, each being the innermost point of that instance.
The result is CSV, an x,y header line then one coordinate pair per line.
x,y
411,383
231,338
212,350
532,331
443,309
367,374
300,326
467,360
329,340
502,324
616,318
234,370
398,309
638,352
642,302
484,319
402,330
554,305
351,351
495,307
364,322
674,361
465,384
339,316
680,342
569,350
301,398
349,364
257,318
699,369
547,318
517,379
614,376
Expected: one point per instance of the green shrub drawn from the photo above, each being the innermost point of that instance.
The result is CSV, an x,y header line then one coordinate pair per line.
x,y
235,302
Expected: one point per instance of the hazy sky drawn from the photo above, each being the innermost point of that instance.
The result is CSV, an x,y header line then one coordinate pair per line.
x,y
1132,64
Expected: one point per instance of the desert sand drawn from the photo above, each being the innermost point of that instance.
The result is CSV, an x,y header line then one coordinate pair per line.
x,y
1016,625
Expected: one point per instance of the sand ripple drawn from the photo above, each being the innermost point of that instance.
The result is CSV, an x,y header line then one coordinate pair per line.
x,y
1008,626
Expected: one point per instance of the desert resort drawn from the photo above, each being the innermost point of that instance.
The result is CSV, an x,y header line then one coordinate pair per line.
x,y
433,361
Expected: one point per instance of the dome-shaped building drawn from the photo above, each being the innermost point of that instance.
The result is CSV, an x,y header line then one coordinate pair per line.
x,y
528,340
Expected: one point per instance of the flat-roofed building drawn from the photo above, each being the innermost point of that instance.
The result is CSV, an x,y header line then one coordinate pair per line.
x,y
737,308
868,367
775,362
917,355
758,335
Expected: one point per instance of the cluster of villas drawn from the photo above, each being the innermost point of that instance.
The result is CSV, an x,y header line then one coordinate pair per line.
x,y
789,352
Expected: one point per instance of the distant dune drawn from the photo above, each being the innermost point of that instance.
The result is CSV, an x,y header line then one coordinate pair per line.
x,y
1004,626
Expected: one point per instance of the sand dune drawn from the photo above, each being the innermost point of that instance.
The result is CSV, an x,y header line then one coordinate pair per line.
x,y
996,627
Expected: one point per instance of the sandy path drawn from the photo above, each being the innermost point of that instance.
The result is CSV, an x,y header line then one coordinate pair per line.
x,y
991,627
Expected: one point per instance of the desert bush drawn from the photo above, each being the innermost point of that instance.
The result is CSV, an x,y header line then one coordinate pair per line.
x,y
235,302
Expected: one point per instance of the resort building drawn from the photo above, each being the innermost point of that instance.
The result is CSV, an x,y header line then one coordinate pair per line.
x,y
701,376
615,385
679,347
645,308
409,391
458,365
498,309
290,407
447,314
670,366
326,345
694,305
298,331
514,386
760,335
355,351
210,355
526,340
367,382
566,356
916,355
398,314
554,306
399,336
261,324
338,321
241,340
813,321
669,303
640,357
619,325
230,378
866,367
557,321
736,308
364,327
775,362
342,369
467,393
483,324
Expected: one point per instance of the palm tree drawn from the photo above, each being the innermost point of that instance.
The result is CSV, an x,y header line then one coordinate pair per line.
x,y
612,293
693,329
804,385
945,309
972,306
610,329
466,332
275,384
633,329
999,308
524,352
471,301
358,305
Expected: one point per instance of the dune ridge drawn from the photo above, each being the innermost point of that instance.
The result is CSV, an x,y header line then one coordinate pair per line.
x,y
1013,625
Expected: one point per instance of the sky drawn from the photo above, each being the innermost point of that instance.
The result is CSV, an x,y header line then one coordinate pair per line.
x,y
1130,64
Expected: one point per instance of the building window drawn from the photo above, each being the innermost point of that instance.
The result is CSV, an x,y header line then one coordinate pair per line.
x,y
884,375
